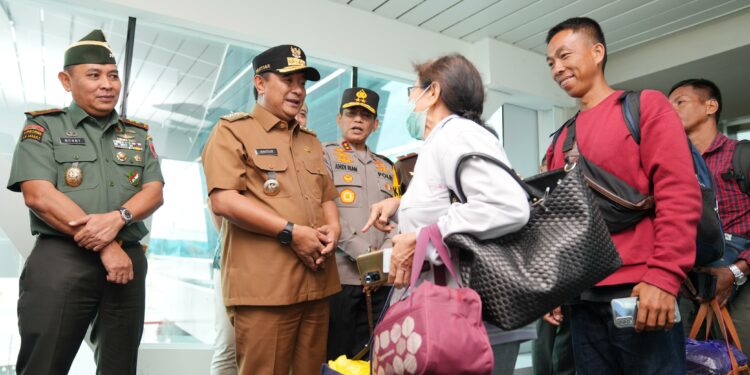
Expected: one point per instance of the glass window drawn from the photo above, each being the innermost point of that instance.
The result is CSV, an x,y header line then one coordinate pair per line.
x,y
391,139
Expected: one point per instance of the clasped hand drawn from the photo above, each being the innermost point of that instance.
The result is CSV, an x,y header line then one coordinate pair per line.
x,y
314,246
98,229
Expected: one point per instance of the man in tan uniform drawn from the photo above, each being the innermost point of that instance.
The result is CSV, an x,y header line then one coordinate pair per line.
x,y
362,178
265,175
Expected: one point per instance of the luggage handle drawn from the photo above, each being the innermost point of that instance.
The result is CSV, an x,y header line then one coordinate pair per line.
x,y
430,233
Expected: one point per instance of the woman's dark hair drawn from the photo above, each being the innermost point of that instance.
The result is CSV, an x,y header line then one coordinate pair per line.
x,y
461,87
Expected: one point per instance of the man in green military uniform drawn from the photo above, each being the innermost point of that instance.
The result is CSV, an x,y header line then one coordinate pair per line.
x,y
362,178
90,178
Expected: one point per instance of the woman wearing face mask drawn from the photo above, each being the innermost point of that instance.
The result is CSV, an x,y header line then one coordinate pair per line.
x,y
446,105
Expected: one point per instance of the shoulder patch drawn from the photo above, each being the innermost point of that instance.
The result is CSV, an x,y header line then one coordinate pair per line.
x,y
308,131
234,116
407,156
134,123
44,112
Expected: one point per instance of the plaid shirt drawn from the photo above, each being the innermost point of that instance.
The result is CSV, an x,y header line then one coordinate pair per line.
x,y
734,205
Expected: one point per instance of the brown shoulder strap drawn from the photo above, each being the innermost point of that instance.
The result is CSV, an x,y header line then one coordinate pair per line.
x,y
720,317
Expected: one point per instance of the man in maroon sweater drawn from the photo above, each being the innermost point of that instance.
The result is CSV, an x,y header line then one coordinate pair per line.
x,y
656,252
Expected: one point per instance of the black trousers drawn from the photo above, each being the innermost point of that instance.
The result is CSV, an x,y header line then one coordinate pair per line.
x,y
63,289
348,331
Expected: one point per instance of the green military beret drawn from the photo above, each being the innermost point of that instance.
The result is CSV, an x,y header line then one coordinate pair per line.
x,y
91,49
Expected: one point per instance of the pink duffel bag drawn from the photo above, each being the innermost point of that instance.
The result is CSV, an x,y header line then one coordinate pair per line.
x,y
434,329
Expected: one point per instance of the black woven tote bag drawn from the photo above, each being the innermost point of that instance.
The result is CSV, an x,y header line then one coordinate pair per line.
x,y
564,249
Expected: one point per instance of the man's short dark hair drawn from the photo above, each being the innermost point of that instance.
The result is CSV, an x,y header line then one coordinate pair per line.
x,y
709,89
581,24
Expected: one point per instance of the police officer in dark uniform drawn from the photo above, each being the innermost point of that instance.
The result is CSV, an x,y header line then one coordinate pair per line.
x,y
362,178
90,178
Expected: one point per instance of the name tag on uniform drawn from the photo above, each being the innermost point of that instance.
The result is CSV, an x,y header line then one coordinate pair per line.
x,y
72,140
266,151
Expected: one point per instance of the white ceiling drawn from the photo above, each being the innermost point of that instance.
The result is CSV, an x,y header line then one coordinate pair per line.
x,y
524,23
728,70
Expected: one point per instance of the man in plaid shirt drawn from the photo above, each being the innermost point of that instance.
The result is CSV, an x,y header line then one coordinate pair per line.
x,y
698,102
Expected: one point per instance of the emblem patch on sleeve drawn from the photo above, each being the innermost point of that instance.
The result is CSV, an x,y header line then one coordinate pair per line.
x,y
33,131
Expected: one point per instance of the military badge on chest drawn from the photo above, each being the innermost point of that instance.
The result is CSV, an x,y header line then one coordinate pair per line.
x,y
125,140
271,186
74,175
134,178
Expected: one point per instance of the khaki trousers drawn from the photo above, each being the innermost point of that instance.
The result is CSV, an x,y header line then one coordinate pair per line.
x,y
276,339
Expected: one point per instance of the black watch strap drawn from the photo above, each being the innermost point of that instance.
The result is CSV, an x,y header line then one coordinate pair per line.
x,y
285,236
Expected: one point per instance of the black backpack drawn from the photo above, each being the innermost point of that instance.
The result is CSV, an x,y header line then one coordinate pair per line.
x,y
710,236
740,166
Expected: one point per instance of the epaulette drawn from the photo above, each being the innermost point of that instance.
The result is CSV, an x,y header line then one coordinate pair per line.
x,y
329,144
134,123
407,156
384,158
44,112
308,131
232,117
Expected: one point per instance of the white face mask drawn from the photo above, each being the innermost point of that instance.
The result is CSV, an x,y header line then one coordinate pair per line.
x,y
416,121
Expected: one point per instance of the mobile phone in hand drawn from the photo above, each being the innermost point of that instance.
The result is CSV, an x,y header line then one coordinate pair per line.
x,y
625,312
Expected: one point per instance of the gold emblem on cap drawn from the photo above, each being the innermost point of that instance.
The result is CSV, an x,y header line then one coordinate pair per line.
x,y
296,52
361,96
73,176
121,156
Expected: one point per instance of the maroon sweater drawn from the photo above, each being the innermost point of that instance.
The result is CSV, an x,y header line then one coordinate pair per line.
x,y
659,250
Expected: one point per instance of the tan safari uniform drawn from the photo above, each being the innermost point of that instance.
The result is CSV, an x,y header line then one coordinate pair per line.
x,y
361,181
260,277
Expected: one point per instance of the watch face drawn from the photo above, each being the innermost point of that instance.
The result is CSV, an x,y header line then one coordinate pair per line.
x,y
285,237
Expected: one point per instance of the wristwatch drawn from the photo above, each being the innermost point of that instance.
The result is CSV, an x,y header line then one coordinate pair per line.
x,y
126,216
739,276
285,236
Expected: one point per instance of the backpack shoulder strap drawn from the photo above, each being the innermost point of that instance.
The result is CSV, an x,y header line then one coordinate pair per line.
x,y
741,165
630,102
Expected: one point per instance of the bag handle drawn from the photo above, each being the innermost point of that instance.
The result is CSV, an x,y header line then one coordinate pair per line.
x,y
706,313
429,234
720,318
478,155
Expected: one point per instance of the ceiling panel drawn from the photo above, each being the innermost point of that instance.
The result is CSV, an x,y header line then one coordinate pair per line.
x,y
612,9
395,8
673,26
487,16
517,19
457,13
525,22
426,10
368,5
544,22
656,19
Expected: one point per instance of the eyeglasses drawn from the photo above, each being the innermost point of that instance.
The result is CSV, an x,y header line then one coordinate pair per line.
x,y
410,89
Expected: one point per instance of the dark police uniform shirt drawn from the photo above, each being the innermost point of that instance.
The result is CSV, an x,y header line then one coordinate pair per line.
x,y
115,159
